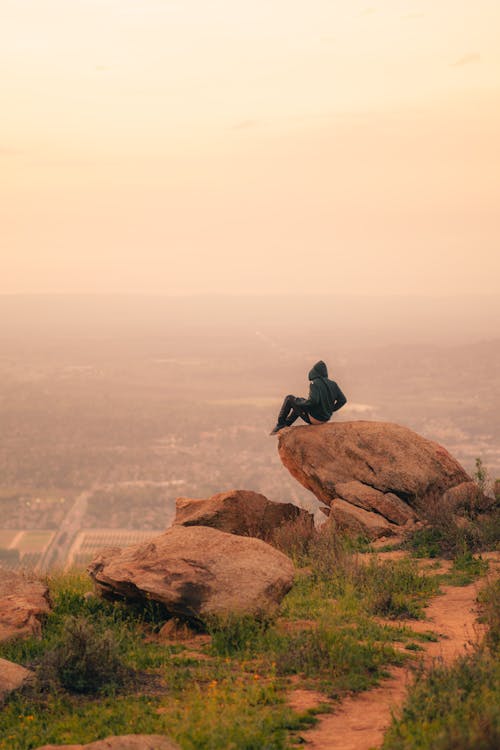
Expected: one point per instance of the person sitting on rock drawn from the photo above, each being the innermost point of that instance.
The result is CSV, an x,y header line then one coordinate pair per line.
x,y
325,397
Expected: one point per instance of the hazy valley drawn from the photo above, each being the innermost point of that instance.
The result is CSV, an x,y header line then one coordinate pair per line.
x,y
128,403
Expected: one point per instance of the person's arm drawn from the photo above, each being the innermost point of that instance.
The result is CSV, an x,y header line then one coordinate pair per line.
x,y
340,400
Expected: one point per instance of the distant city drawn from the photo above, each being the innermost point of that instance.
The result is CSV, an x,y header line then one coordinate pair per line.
x,y
107,418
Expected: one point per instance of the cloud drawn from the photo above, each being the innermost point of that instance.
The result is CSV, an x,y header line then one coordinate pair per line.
x,y
368,12
472,57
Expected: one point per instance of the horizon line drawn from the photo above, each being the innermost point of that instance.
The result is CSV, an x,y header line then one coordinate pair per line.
x,y
237,295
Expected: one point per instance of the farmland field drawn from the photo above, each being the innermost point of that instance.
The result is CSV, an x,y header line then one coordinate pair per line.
x,y
7,536
88,542
34,541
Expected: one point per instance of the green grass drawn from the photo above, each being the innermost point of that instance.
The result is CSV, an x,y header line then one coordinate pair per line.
x,y
466,568
452,532
214,703
337,658
338,653
327,631
452,708
68,593
230,713
425,542
228,691
456,707
392,588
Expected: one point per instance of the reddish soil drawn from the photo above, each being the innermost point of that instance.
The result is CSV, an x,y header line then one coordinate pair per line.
x,y
360,721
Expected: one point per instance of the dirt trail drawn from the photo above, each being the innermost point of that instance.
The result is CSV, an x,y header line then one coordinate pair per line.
x,y
360,721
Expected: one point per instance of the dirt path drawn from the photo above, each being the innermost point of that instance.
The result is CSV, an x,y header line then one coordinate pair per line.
x,y
360,722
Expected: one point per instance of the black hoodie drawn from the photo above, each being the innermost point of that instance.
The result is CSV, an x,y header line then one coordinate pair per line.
x,y
325,396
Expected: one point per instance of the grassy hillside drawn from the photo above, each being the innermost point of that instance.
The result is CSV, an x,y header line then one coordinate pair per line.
x,y
109,668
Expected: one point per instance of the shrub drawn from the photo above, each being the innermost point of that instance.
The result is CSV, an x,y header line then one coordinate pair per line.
x,y
331,553
466,568
294,538
490,605
84,659
425,542
320,548
452,530
394,588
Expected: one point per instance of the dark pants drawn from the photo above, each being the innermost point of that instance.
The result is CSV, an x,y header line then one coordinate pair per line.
x,y
291,410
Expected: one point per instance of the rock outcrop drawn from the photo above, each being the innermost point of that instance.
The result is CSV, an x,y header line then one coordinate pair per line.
x,y
375,476
239,512
12,677
124,742
23,604
195,572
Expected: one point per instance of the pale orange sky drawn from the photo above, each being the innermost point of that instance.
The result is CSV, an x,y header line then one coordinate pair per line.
x,y
268,146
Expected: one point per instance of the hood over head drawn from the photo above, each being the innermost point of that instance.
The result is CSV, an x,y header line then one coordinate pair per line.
x,y
318,371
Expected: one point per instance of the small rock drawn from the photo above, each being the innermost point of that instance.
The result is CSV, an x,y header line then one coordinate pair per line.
x,y
13,677
23,604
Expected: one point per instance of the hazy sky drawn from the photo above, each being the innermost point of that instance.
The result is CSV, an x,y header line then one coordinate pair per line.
x,y
234,145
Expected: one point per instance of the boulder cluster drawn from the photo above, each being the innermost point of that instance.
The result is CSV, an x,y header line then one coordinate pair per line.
x,y
213,561
375,478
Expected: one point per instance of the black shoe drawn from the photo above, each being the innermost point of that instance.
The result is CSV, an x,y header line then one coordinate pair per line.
x,y
277,428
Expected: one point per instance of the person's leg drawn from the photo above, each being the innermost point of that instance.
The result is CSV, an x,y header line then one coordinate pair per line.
x,y
290,411
286,410
297,410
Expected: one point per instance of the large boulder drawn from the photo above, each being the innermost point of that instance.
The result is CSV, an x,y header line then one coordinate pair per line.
x,y
125,742
239,512
13,677
23,604
196,571
375,476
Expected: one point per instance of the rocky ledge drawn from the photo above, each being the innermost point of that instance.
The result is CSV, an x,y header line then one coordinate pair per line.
x,y
376,477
